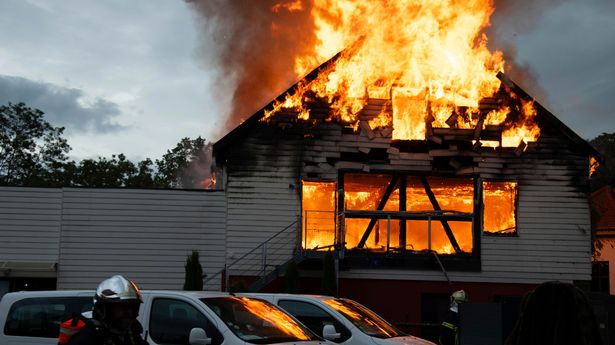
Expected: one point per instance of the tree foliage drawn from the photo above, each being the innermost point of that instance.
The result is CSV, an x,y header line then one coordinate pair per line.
x,y
31,150
193,280
34,153
605,175
186,165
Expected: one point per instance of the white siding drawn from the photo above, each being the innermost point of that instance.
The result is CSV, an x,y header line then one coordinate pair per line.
x,y
143,234
29,230
263,199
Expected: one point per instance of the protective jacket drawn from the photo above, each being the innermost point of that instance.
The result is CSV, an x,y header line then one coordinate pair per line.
x,y
95,333
449,331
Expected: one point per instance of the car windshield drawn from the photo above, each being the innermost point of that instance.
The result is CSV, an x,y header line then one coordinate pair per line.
x,y
364,319
257,321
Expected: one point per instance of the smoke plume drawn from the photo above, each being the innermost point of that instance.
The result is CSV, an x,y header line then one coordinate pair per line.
x,y
256,44
515,18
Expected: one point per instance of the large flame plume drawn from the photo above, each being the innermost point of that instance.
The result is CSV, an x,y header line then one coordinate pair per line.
x,y
430,58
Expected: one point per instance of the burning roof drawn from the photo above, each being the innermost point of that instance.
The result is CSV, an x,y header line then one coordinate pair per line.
x,y
411,67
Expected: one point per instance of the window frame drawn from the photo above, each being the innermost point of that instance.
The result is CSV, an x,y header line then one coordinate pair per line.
x,y
516,202
362,258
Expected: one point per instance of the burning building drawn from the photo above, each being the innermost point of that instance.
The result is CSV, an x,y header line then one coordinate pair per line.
x,y
420,163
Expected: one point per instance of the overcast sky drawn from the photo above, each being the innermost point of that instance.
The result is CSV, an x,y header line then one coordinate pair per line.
x,y
136,76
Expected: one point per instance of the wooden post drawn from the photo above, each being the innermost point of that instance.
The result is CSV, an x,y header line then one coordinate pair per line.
x,y
436,206
380,207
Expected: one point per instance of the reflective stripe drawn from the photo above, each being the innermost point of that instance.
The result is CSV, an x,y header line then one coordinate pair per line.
x,y
449,325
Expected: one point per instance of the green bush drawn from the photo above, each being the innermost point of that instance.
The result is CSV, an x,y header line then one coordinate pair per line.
x,y
193,280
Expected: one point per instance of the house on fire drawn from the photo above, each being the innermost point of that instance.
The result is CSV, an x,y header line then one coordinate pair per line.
x,y
415,196
410,219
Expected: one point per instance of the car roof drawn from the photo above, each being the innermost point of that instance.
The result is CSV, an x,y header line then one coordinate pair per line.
x,y
88,293
287,295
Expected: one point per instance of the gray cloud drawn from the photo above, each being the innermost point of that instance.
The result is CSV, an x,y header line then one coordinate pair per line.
x,y
62,106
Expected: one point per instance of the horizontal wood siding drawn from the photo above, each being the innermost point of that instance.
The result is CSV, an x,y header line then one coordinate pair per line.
x,y
145,235
30,230
263,197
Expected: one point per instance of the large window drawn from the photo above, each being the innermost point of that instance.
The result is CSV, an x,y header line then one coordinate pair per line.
x,y
318,200
391,213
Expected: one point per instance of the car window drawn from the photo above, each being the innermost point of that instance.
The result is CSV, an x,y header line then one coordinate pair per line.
x,y
171,321
364,319
41,316
258,321
314,317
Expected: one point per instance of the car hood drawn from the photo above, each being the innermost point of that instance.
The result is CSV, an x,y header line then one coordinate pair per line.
x,y
405,340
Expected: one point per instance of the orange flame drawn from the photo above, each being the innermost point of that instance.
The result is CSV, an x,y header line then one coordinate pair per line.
x,y
593,165
364,192
430,58
499,214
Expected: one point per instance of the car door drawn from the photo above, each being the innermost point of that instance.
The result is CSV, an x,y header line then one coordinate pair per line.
x,y
314,317
171,319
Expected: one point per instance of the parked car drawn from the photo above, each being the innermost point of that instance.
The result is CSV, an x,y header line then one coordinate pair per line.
x,y
340,320
168,317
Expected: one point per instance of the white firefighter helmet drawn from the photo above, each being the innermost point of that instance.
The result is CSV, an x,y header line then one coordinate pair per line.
x,y
117,289
457,297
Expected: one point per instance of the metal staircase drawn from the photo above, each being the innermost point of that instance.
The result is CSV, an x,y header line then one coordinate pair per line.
x,y
267,261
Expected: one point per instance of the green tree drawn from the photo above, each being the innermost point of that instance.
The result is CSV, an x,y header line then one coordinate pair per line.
x,y
605,175
186,165
193,280
31,150
113,172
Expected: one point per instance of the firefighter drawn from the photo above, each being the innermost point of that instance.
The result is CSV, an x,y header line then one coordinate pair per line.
x,y
449,330
114,317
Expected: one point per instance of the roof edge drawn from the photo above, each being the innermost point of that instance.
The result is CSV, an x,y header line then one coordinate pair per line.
x,y
238,131
569,133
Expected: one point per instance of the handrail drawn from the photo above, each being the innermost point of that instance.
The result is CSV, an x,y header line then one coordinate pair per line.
x,y
227,267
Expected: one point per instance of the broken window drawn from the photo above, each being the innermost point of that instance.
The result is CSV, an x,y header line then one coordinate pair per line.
x,y
500,200
391,213
408,213
318,200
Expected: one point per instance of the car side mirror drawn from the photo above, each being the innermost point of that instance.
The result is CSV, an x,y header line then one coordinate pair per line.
x,y
329,332
198,336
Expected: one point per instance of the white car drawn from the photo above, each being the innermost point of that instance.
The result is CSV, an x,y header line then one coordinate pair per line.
x,y
340,320
168,317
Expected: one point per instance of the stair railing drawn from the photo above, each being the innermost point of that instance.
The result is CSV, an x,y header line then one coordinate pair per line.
x,y
262,259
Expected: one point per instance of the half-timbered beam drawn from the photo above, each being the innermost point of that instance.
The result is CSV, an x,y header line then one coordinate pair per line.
x,y
380,207
436,206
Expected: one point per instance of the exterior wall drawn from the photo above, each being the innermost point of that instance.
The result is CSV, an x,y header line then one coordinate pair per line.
x,y
607,253
553,240
30,222
263,198
91,234
143,234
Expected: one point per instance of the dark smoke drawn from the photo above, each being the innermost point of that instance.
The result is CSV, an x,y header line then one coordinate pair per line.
x,y
514,18
256,46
